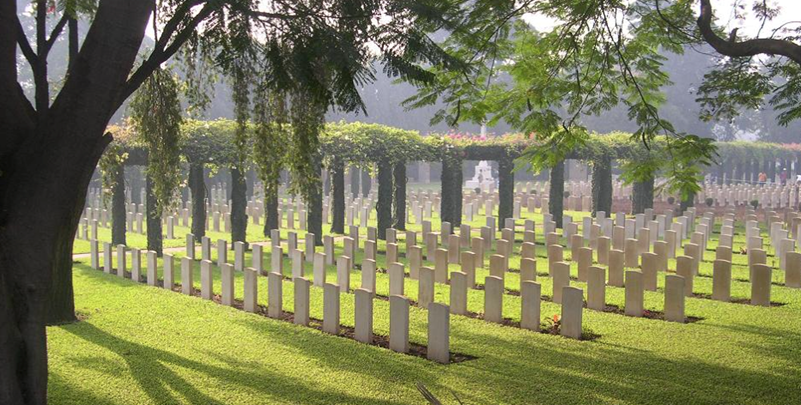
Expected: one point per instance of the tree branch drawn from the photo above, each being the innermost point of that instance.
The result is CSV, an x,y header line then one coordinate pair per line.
x,y
746,48
25,46
55,33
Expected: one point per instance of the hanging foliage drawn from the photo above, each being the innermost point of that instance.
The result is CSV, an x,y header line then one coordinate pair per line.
x,y
156,117
308,117
271,137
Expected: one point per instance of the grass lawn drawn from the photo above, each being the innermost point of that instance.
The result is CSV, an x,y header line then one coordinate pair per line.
x,y
140,344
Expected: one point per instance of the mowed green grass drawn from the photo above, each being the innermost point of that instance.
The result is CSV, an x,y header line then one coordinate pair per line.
x,y
140,344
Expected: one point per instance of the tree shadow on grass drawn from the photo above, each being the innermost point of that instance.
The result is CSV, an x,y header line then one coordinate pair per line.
x,y
150,367
557,370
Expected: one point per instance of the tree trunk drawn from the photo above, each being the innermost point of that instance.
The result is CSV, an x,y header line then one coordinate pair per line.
x,y
239,202
446,194
155,235
47,157
118,211
602,186
399,172
506,191
384,204
197,184
314,223
687,203
456,200
367,182
338,199
355,176
643,196
271,213
556,194
770,169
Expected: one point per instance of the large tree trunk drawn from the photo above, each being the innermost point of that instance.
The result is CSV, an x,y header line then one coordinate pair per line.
x,y
118,211
338,199
239,202
446,195
47,158
384,204
197,184
643,196
602,186
155,233
271,213
506,190
399,172
556,194
314,220
355,176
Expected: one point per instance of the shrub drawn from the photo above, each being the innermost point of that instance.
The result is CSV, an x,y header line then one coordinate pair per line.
x,y
755,203
671,200
709,201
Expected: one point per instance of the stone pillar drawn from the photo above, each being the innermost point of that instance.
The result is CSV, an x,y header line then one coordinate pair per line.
x,y
493,299
596,288
760,284
634,293
187,274
425,289
206,279
363,314
251,284
572,303
721,280
399,323
530,294
227,284
302,301
331,308
152,275
169,272
561,279
458,298
275,295
396,276
438,333
674,298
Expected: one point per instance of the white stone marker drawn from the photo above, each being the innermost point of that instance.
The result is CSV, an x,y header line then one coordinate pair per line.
x,y
441,266
684,268
596,288
136,264
152,276
206,279
190,246
792,273
634,293
363,315
227,284
469,268
319,269
302,286
239,256
94,254
343,273
222,252
205,248
530,294
275,295
649,270
493,299
674,298
396,276
458,299
584,262
277,260
399,323
368,275
561,279
169,271
760,284
572,303
187,273
438,333
616,273
331,308
257,258
425,289
721,280
251,285
121,261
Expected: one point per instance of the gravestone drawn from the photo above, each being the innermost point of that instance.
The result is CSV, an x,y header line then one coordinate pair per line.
x,y
634,293
251,286
363,316
493,299
438,333
331,308
530,294
399,323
